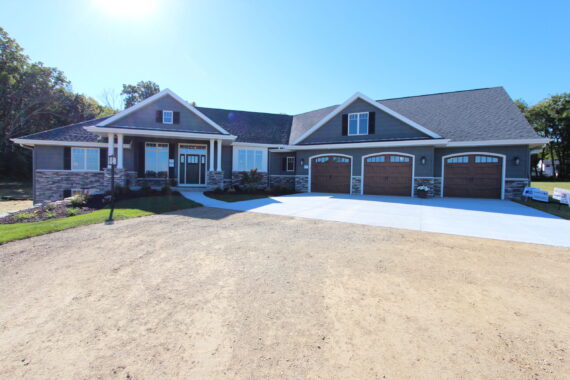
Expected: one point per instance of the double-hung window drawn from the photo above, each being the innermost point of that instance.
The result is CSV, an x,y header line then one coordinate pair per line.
x,y
85,159
248,159
167,117
290,164
156,160
358,123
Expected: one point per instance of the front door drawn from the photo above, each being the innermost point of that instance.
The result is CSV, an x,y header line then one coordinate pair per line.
x,y
192,169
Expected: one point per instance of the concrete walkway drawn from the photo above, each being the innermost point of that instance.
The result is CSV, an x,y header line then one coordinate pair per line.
x,y
485,218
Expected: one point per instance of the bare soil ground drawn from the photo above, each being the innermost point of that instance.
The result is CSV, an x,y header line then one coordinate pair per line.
x,y
11,206
207,293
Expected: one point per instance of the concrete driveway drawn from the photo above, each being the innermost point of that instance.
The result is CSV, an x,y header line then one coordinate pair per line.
x,y
485,218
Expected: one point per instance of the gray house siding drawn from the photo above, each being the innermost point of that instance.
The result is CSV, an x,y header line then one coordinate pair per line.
x,y
512,171
356,154
227,158
49,157
387,127
275,165
146,118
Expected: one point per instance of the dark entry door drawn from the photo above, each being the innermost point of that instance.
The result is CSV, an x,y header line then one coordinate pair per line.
x,y
192,169
330,174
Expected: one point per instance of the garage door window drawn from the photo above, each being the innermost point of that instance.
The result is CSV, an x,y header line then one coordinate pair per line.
x,y
486,160
376,159
399,159
322,160
458,160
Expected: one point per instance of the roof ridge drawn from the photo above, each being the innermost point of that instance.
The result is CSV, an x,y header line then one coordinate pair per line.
x,y
441,93
225,109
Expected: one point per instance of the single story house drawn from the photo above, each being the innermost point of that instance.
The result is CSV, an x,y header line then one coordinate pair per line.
x,y
471,143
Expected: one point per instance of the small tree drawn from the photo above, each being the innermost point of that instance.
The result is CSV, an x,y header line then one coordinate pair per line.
x,y
251,180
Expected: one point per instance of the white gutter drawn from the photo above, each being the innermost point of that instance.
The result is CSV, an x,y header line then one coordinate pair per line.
x,y
373,144
499,142
29,142
154,133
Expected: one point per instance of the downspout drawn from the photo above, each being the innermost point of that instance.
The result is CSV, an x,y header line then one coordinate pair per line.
x,y
33,171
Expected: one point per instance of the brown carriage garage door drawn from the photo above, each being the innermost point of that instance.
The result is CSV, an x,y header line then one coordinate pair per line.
x,y
330,174
473,176
388,174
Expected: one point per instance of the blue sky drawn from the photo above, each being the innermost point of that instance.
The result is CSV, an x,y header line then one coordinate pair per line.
x,y
294,56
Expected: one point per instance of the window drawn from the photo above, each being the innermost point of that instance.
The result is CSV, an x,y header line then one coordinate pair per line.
x,y
167,117
358,123
376,159
156,160
322,160
399,159
458,160
248,159
486,160
86,159
290,164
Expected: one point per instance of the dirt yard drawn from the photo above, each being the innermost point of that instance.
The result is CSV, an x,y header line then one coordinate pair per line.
x,y
11,206
210,294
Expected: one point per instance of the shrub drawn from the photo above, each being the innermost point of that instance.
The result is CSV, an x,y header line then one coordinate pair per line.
x,y
50,215
166,190
251,180
218,190
50,207
24,216
145,189
72,211
78,200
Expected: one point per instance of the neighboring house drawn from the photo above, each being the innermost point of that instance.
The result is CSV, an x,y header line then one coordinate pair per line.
x,y
472,143
544,167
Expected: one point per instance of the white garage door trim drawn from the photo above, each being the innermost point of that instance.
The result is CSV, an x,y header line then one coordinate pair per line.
x,y
503,169
383,153
330,154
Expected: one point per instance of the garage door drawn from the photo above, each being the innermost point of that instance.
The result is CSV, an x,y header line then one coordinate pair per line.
x,y
388,174
473,176
330,174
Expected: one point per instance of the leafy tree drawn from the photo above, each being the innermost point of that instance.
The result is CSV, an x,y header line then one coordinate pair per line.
x,y
139,92
33,98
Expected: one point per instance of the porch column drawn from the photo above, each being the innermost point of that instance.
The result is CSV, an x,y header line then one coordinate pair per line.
x,y
120,151
110,148
212,155
219,166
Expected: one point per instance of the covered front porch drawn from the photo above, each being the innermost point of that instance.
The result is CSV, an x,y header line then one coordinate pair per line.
x,y
176,159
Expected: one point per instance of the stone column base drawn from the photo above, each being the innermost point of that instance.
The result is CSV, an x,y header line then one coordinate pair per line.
x,y
514,188
215,180
429,182
121,176
356,185
302,183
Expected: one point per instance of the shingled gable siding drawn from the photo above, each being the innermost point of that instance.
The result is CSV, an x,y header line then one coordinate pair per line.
x,y
387,127
146,118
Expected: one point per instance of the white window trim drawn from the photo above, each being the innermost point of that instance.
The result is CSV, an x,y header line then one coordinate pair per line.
x,y
85,160
235,161
290,159
156,142
171,116
358,123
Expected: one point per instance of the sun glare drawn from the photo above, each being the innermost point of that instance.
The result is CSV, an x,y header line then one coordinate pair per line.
x,y
133,9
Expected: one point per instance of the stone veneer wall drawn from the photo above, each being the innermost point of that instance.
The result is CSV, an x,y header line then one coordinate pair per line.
x,y
237,176
514,188
437,186
302,183
356,185
425,181
286,181
152,182
215,180
50,184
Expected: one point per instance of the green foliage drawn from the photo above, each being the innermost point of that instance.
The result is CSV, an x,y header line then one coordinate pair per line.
x,y
24,215
131,208
73,211
166,190
50,207
251,180
136,93
50,214
551,118
78,200
145,189
33,98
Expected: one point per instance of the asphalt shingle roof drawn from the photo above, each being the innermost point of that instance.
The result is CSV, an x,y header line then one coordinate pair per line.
x,y
472,115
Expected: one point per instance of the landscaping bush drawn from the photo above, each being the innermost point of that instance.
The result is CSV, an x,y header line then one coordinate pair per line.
x,y
251,180
78,200
166,190
24,216
50,207
50,215
73,211
145,189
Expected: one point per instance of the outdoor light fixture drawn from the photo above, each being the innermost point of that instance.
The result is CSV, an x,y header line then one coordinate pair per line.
x,y
302,161
517,161
423,160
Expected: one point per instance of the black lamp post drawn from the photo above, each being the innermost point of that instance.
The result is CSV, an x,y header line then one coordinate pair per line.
x,y
112,161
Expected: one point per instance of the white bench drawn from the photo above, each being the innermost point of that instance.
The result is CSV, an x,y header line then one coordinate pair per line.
x,y
536,194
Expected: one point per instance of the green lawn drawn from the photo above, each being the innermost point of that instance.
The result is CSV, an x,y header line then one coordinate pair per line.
x,y
229,197
549,186
131,208
553,207
15,189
